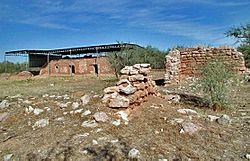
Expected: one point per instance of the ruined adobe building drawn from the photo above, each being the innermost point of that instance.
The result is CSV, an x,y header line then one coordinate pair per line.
x,y
188,61
78,66
69,61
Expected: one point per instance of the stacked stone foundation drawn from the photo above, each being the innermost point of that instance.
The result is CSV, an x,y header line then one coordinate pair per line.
x,y
188,61
133,88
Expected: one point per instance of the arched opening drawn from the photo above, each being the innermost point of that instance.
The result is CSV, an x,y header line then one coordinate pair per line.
x,y
57,68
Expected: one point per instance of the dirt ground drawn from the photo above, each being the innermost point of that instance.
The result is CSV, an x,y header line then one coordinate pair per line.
x,y
152,128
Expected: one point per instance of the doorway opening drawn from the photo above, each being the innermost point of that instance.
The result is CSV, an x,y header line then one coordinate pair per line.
x,y
72,68
96,69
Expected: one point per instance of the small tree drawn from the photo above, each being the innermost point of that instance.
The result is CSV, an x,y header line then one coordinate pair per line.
x,y
215,82
242,34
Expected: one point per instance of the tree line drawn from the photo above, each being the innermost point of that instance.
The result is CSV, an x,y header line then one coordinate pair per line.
x,y
137,55
10,67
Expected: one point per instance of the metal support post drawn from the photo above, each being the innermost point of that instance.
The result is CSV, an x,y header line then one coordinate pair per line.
x,y
27,63
48,64
5,64
71,74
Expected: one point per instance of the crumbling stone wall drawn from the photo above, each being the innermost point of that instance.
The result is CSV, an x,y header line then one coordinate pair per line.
x,y
188,61
80,65
133,88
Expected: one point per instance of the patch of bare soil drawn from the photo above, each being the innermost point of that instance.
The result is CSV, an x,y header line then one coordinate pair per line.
x,y
154,128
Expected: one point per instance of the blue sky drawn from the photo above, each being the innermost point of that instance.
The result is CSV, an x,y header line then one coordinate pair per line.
x,y
46,24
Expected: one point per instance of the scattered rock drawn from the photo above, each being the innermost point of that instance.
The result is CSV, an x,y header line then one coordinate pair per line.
x,y
45,95
86,113
3,116
99,130
176,120
85,134
94,142
78,111
224,120
41,123
52,96
47,108
123,115
89,124
182,131
116,122
101,117
7,157
37,111
60,119
187,111
114,141
212,118
75,105
4,104
29,109
96,96
189,127
85,99
27,102
247,156
162,160
62,105
134,154
172,98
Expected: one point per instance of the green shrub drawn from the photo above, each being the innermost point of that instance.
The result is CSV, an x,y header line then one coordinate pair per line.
x,y
9,67
216,82
242,34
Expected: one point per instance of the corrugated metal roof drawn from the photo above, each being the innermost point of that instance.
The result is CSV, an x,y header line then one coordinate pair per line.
x,y
76,50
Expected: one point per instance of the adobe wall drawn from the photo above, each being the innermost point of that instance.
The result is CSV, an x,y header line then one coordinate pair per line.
x,y
188,61
81,65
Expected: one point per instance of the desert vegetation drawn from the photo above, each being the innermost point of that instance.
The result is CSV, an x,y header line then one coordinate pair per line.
x,y
216,82
128,57
10,67
242,34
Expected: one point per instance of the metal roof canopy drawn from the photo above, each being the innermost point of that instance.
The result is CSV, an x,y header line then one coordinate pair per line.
x,y
75,50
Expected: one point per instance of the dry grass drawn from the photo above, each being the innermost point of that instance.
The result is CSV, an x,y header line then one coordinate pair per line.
x,y
149,130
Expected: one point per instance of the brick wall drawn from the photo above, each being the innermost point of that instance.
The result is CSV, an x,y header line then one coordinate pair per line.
x,y
79,65
188,61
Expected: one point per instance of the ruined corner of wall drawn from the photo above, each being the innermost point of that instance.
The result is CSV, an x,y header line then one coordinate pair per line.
x,y
172,67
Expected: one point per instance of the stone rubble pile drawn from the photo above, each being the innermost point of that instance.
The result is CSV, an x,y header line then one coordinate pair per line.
x,y
133,88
